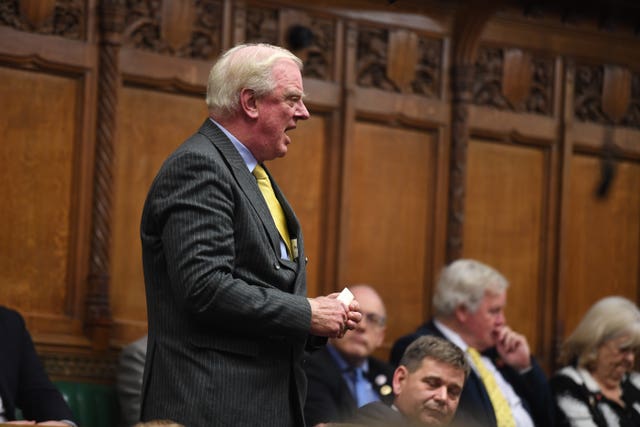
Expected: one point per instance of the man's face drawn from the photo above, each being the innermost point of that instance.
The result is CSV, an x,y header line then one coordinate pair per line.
x,y
482,326
430,395
361,342
279,111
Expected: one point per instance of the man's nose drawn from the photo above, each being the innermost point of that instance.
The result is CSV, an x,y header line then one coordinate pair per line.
x,y
440,394
302,113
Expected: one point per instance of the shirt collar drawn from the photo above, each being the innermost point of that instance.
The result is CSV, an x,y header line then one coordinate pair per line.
x,y
244,152
342,364
451,335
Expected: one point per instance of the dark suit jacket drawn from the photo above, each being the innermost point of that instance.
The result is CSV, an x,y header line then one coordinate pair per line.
x,y
329,398
378,414
23,382
228,318
532,386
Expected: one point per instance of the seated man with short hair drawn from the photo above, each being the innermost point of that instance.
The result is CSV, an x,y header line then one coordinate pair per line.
x,y
427,386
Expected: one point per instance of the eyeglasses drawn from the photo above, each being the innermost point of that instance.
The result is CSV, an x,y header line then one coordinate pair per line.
x,y
374,319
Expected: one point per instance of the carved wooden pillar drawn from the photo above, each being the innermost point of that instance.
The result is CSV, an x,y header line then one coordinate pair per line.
x,y
98,318
461,86
469,23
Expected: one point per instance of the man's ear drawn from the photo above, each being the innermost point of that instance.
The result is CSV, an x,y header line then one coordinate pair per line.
x,y
461,313
399,377
248,103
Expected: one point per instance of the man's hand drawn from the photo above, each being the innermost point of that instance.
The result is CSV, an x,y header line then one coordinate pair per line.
x,y
331,318
513,348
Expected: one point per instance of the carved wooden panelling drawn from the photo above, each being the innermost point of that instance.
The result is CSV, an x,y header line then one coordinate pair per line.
x,y
588,94
588,98
154,28
38,128
312,38
64,18
146,136
504,225
632,118
83,368
373,63
319,59
386,234
488,84
602,242
262,25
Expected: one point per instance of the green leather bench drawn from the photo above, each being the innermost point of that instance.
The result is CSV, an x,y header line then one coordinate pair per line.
x,y
94,405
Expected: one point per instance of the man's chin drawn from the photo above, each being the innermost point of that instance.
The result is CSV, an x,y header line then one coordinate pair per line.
x,y
435,419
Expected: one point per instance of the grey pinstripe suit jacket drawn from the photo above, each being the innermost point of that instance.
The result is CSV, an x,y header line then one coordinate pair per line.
x,y
228,319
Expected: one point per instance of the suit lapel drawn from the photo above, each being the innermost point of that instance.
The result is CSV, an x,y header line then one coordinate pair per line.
x,y
244,178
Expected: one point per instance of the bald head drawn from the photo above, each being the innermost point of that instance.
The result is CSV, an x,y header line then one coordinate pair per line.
x,y
357,345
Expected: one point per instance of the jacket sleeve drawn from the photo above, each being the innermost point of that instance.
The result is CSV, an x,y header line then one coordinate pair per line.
x,y
533,387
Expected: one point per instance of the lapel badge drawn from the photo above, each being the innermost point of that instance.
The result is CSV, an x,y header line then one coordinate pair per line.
x,y
385,390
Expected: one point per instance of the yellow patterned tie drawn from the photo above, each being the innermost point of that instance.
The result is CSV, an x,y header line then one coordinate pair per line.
x,y
499,402
272,202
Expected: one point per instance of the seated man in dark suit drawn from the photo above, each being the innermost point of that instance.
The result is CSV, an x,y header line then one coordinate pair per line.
x,y
506,387
427,386
332,394
23,382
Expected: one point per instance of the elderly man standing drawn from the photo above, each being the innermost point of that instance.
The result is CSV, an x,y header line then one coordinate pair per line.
x,y
345,375
507,387
224,262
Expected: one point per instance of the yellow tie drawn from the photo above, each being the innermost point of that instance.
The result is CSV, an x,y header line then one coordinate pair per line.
x,y
274,206
498,401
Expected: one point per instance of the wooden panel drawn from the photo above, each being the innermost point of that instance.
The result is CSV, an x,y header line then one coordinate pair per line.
x,y
151,125
603,239
301,175
387,225
38,131
503,224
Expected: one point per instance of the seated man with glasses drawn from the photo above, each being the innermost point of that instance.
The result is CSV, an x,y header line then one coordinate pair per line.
x,y
344,376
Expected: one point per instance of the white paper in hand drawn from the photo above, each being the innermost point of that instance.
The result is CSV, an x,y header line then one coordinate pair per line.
x,y
345,297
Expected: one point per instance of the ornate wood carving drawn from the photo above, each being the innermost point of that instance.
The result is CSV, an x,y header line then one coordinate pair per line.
x,y
176,21
590,94
402,57
616,92
319,59
632,118
428,77
98,319
373,60
64,18
469,22
490,81
517,74
37,12
81,368
462,77
176,28
262,25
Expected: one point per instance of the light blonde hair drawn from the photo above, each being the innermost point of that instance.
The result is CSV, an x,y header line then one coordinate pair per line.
x,y
246,66
465,282
609,318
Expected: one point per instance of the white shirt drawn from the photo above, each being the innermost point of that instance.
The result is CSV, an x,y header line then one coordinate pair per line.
x,y
520,414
